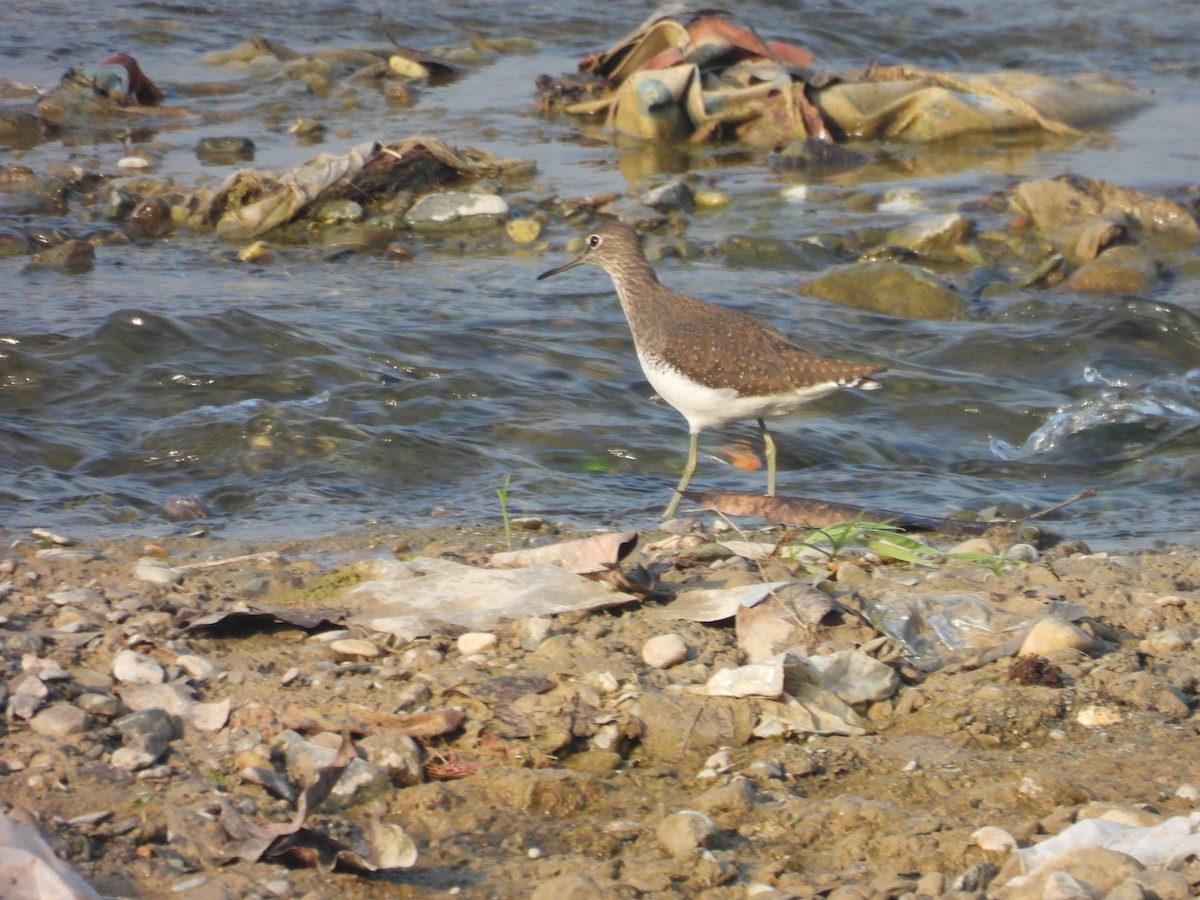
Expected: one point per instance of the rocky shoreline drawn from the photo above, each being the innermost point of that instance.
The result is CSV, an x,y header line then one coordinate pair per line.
x,y
585,754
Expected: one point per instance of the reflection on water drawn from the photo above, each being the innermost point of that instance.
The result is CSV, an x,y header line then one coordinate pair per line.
x,y
316,393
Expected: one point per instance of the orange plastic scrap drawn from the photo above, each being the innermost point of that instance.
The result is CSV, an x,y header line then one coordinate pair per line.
x,y
716,39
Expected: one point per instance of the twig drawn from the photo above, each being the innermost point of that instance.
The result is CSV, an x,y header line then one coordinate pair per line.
x,y
1082,495
228,561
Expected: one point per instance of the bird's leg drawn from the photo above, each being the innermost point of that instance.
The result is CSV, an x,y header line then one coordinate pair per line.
x,y
769,453
688,469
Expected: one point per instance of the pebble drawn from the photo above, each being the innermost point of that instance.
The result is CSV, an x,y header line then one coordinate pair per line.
x,y
536,630
149,730
523,231
175,698
683,835
1098,716
392,846
1188,792
155,571
569,886
131,667
210,717
664,651
128,759
197,666
355,647
993,839
454,210
1168,641
360,781
974,545
757,680
98,705
397,754
476,642
738,796
1051,635
43,534
60,721
269,780
28,696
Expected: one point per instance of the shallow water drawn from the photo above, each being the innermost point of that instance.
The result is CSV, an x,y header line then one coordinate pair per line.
x,y
319,393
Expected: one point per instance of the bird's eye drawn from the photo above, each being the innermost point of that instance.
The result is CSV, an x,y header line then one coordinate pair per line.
x,y
594,241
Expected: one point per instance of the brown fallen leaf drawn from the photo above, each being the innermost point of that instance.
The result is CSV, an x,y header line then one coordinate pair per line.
x,y
261,616
291,842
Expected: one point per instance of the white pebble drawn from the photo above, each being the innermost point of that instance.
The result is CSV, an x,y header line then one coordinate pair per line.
x,y
664,651
993,839
131,667
477,642
1188,792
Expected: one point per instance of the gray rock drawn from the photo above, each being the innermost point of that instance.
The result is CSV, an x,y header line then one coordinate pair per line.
x,y
536,630
98,705
274,783
27,697
176,699
675,194
361,780
397,754
149,730
853,677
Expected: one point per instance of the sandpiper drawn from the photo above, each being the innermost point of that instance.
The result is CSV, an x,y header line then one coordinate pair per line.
x,y
712,363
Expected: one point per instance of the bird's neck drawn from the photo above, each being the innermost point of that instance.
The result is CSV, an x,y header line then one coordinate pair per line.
x,y
636,284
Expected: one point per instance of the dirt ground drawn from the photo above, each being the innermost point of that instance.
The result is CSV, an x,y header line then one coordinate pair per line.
x,y
557,765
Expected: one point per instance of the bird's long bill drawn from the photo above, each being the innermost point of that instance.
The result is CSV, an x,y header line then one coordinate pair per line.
x,y
567,265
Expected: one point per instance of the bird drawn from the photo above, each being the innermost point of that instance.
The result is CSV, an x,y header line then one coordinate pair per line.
x,y
139,89
712,363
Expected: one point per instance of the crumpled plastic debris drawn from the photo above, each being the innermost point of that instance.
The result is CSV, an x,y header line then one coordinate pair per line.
x,y
712,76
936,630
29,867
409,599
1155,846
251,202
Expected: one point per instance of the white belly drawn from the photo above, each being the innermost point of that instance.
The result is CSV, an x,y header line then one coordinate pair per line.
x,y
706,407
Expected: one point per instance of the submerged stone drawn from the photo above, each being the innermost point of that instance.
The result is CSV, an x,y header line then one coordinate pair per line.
x,y
455,211
891,288
1118,270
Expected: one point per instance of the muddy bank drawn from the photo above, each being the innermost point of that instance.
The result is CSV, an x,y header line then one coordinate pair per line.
x,y
497,761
